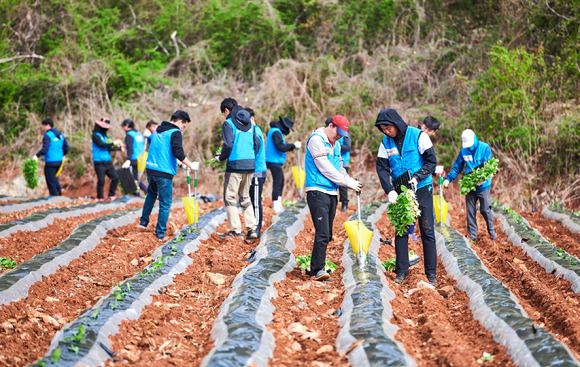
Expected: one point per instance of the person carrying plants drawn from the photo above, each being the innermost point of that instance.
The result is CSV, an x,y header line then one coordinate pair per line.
x,y
134,145
276,149
324,174
102,146
260,174
406,154
54,148
473,154
240,147
165,150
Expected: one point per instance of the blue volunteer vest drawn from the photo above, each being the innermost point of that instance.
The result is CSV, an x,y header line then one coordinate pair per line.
x,y
261,157
54,153
410,159
273,155
138,144
346,155
473,160
101,154
161,156
313,176
242,156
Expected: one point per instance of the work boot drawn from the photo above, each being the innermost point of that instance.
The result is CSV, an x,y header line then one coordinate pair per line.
x,y
432,278
400,277
321,276
493,236
251,235
344,207
230,234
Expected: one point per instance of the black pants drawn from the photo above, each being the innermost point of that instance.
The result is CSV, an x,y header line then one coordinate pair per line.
x,y
425,199
54,188
343,191
322,210
257,185
134,168
102,168
278,177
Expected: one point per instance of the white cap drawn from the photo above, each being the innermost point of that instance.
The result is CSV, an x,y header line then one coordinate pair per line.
x,y
467,138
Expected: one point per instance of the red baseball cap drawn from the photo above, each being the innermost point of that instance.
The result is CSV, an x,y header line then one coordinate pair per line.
x,y
341,124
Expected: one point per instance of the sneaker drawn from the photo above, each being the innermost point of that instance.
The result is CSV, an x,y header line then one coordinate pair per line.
x,y
432,279
321,276
230,233
111,198
143,224
251,235
400,277
344,207
160,237
101,199
414,238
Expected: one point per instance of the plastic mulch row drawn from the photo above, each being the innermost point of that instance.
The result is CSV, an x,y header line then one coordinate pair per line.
x,y
568,218
366,309
16,283
4,198
496,308
38,220
550,257
240,328
33,203
127,300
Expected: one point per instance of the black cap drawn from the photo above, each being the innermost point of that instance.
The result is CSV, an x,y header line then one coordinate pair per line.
x,y
243,116
287,122
180,115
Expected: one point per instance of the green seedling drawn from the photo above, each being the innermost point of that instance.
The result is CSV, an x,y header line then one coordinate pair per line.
x,y
7,263
128,286
73,348
80,334
404,212
288,203
30,171
56,355
476,176
41,363
115,304
485,358
119,294
303,261
95,313
214,162
389,265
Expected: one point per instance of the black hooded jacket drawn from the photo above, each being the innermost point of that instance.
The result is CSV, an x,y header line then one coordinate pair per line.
x,y
277,137
391,117
97,140
46,145
176,146
228,139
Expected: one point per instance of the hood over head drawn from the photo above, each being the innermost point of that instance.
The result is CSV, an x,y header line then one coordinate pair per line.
x,y
390,117
166,125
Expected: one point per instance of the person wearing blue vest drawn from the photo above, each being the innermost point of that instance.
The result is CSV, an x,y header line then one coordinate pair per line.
x,y
102,146
406,153
54,148
276,149
473,154
324,174
134,145
165,150
240,147
260,174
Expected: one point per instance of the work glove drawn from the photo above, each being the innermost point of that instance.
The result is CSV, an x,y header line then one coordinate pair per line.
x,y
445,183
126,164
393,197
146,133
413,183
217,157
35,157
354,184
298,144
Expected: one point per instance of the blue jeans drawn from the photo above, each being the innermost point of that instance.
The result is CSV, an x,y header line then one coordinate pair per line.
x,y
162,187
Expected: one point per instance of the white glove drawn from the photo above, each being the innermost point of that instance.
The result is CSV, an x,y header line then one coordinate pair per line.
x,y
445,183
298,144
354,184
393,197
146,133
35,157
126,164
217,157
413,183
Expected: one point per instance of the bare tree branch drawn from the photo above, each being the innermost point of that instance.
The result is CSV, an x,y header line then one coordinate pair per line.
x,y
33,56
553,11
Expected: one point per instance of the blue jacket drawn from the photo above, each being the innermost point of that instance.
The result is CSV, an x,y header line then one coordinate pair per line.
x,y
240,142
274,155
472,157
161,157
54,147
261,156
100,153
135,144
313,176
345,144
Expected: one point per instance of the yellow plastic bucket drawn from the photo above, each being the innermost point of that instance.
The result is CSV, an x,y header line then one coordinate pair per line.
x,y
439,211
191,209
351,228
142,161
299,176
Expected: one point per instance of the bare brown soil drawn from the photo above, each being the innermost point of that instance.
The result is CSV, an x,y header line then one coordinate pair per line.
x,y
437,327
9,217
547,299
554,231
175,328
30,324
304,325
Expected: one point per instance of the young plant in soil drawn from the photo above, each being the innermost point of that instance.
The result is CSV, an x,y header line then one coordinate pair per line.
x,y
478,175
7,263
30,171
303,262
390,264
404,212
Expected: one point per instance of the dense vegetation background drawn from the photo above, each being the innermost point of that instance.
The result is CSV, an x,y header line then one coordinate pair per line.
x,y
508,69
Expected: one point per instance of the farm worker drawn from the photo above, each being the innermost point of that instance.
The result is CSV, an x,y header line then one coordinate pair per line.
x,y
260,174
276,149
240,147
345,144
102,146
149,129
324,174
407,151
165,149
473,154
429,127
54,148
134,145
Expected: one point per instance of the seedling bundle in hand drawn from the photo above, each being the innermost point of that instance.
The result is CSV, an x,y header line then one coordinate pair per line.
x,y
404,212
477,176
214,162
30,171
